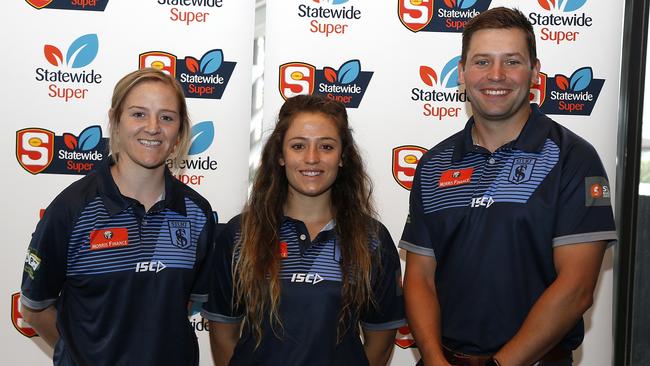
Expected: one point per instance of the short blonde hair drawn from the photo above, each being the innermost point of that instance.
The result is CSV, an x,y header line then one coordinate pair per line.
x,y
122,90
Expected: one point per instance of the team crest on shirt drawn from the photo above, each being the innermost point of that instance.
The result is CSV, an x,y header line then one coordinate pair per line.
x,y
180,233
522,170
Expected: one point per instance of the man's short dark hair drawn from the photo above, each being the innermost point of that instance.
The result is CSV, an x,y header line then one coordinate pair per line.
x,y
500,18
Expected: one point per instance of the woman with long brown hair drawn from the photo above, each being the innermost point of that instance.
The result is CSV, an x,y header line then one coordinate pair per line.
x,y
306,263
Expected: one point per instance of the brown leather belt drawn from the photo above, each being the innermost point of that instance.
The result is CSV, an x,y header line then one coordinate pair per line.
x,y
461,359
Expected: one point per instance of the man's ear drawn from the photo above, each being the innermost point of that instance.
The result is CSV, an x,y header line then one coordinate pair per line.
x,y
534,77
461,72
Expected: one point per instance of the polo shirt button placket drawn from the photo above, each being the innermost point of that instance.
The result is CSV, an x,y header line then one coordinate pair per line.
x,y
489,161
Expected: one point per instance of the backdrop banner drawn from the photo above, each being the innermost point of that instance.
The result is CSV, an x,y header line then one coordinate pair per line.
x,y
394,64
63,60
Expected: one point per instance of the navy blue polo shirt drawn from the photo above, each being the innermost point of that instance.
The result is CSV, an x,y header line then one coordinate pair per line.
x,y
310,299
120,277
492,220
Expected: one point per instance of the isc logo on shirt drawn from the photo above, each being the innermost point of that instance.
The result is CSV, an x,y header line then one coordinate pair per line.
x,y
485,201
312,278
153,266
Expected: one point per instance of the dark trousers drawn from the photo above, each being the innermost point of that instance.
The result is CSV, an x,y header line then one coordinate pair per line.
x,y
565,362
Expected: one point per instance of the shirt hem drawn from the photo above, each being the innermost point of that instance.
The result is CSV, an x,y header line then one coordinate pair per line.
x,y
608,236
199,297
384,326
221,318
36,305
416,248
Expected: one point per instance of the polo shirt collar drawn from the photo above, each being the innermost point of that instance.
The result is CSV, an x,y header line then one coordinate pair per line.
x,y
530,139
115,202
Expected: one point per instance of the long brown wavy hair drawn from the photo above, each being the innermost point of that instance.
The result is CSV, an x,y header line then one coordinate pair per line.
x,y
257,283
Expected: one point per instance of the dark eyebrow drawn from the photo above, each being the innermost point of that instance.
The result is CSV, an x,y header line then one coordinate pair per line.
x,y
325,138
490,54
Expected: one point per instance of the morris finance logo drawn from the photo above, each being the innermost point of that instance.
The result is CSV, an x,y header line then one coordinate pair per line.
x,y
205,77
405,161
67,77
347,85
439,15
329,17
185,11
110,238
574,95
89,5
40,151
202,136
561,21
439,96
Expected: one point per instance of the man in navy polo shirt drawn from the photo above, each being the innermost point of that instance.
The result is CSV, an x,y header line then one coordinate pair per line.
x,y
509,218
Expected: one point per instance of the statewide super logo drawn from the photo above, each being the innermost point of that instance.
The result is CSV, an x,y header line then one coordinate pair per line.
x,y
561,20
329,17
438,93
347,85
68,78
597,191
191,167
39,151
206,77
184,11
439,15
91,5
574,95
196,320
404,338
17,318
405,160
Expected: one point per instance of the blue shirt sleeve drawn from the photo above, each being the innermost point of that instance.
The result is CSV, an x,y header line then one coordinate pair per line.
x,y
415,237
387,312
584,209
46,259
221,300
203,266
